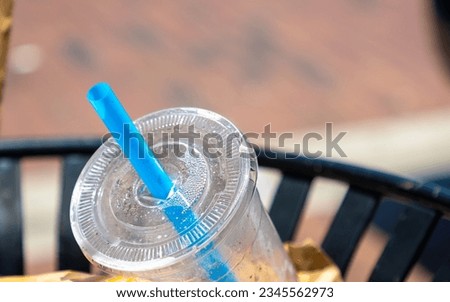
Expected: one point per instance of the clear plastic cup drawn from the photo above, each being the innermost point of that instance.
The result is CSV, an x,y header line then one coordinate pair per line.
x,y
122,229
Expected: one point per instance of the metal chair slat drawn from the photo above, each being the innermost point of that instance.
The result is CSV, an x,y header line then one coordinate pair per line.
x,y
69,253
348,226
407,241
11,249
288,204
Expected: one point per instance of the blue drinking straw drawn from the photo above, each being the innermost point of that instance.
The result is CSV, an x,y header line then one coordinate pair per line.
x,y
122,128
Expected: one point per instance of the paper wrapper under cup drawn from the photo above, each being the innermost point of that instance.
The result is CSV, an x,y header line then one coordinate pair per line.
x,y
311,264
69,276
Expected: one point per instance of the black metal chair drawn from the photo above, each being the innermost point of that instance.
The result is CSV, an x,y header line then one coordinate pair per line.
x,y
426,205
74,154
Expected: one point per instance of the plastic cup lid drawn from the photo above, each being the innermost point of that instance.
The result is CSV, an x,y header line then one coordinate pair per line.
x,y
122,228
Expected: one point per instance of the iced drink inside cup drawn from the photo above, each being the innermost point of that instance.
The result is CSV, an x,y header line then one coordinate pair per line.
x,y
212,227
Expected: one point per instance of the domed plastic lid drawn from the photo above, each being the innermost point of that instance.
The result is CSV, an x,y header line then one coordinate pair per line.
x,y
122,228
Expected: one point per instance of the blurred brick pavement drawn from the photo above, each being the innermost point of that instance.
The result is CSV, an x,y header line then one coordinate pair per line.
x,y
290,63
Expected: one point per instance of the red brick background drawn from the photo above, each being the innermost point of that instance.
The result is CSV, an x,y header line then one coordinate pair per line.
x,y
290,63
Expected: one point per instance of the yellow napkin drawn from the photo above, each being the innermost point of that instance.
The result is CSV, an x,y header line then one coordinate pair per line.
x,y
311,263
69,276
